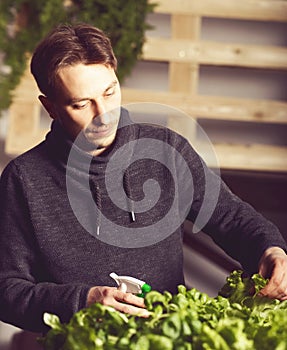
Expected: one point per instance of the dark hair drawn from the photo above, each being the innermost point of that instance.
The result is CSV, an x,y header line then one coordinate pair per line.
x,y
68,45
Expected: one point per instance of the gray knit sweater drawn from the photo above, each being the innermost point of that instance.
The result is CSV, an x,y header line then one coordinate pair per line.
x,y
54,247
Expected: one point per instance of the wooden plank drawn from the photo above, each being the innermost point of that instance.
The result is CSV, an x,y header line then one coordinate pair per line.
x,y
183,76
24,116
214,107
27,90
214,53
23,142
23,132
253,157
263,10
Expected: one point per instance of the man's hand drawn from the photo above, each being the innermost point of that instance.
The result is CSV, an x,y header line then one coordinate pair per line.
x,y
124,302
273,265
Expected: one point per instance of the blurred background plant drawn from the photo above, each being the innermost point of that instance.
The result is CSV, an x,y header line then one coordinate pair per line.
x,y
23,23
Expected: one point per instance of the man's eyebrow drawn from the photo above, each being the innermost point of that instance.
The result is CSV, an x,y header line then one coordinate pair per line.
x,y
112,84
75,100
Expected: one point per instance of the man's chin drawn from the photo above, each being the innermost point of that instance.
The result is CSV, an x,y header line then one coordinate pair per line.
x,y
99,144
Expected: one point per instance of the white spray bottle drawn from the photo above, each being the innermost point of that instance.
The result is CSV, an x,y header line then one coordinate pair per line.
x,y
133,285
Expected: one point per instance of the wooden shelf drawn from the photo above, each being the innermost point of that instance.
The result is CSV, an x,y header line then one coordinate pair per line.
x,y
215,53
213,107
255,157
263,10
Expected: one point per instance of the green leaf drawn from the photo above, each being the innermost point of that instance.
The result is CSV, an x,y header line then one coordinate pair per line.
x,y
159,342
171,327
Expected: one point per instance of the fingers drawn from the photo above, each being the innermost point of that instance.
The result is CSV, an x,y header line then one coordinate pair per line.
x,y
274,265
129,298
129,303
277,285
124,302
130,309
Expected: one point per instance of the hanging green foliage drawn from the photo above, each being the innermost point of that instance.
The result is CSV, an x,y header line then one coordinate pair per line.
x,y
23,23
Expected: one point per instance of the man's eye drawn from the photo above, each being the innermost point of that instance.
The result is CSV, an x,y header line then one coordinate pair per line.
x,y
80,106
110,93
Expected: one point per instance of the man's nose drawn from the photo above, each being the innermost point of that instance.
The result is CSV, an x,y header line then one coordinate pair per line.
x,y
100,111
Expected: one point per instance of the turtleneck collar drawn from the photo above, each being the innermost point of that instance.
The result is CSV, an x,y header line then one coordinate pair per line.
x,y
87,171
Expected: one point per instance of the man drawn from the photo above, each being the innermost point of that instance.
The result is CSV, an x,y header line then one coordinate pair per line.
x,y
61,231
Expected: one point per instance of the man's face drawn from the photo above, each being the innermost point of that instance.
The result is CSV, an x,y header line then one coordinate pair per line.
x,y
88,101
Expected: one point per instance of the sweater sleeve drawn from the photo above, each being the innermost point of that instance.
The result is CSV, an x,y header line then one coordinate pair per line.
x,y
241,231
24,293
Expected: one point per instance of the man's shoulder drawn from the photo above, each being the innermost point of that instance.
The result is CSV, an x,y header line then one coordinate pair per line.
x,y
27,160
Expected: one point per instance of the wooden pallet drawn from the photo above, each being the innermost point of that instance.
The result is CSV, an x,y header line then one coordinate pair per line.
x,y
185,52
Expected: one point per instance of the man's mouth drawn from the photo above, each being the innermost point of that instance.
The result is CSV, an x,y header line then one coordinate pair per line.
x,y
100,131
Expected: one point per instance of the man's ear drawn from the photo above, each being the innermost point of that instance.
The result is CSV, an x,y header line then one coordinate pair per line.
x,y
48,105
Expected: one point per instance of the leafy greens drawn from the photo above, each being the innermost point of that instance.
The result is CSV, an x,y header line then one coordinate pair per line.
x,y
188,320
